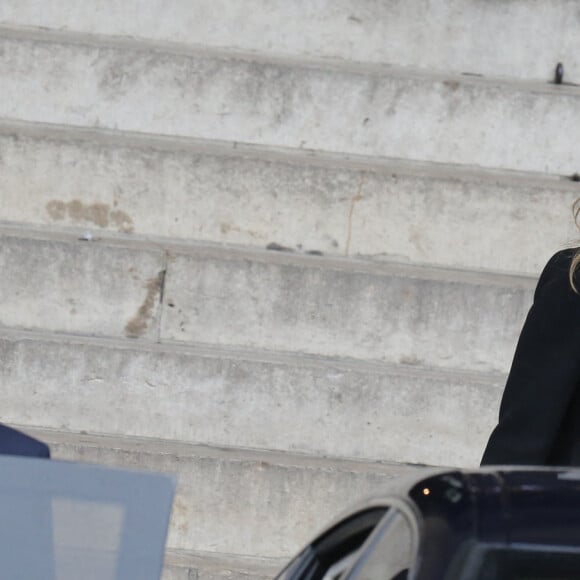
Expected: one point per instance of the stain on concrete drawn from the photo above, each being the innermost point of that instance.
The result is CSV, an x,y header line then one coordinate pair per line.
x,y
99,214
118,74
72,304
121,221
56,210
227,228
417,237
137,326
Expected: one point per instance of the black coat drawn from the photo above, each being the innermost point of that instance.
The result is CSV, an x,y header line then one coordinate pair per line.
x,y
539,418
13,442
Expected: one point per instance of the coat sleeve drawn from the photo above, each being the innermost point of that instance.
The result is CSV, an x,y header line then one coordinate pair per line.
x,y
545,372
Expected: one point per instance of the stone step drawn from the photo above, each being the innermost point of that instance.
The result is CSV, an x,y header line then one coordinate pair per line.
x,y
421,213
262,300
346,308
528,40
232,501
183,565
361,110
254,399
67,284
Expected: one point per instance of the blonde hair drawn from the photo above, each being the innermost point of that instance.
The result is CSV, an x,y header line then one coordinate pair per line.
x,y
576,259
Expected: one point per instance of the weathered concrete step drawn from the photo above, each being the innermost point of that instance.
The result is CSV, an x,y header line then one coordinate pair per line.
x,y
80,287
265,300
182,565
442,34
386,312
422,213
370,112
252,399
234,501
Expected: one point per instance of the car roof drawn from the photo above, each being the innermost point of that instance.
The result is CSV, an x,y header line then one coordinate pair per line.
x,y
528,491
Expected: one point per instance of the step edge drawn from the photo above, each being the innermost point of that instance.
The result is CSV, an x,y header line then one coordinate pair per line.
x,y
12,127
184,450
176,248
217,560
141,44
489,379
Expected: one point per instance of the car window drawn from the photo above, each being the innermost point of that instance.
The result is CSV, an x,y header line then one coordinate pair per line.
x,y
329,555
523,562
337,569
389,552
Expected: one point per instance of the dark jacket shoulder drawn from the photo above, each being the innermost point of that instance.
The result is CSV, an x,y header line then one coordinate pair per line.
x,y
13,442
554,281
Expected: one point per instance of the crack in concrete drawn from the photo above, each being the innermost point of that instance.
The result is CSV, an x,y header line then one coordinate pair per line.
x,y
353,202
166,260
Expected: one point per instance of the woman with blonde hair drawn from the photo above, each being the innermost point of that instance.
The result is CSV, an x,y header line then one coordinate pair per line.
x,y
539,418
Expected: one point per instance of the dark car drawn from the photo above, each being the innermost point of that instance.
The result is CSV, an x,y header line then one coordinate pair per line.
x,y
502,524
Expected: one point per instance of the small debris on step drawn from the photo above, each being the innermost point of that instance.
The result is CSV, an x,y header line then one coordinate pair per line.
x,y
559,74
278,248
87,237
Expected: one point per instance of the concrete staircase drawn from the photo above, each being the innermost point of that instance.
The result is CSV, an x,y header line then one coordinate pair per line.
x,y
283,249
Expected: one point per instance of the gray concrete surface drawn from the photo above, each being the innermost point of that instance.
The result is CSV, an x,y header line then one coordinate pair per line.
x,y
529,38
312,305
264,300
183,565
378,112
385,210
257,400
80,287
235,502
